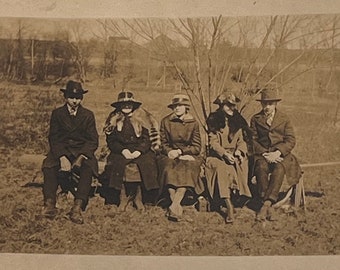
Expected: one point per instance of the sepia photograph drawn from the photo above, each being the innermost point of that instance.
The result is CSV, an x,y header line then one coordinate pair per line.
x,y
178,134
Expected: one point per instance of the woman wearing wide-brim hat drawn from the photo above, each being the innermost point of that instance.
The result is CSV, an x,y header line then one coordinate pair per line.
x,y
129,143
180,161
227,162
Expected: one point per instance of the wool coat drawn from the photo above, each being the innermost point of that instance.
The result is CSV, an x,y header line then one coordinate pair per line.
x,y
181,133
278,136
72,136
130,134
219,171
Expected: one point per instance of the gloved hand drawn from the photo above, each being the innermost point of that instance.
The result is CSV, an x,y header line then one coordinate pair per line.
x,y
173,154
239,156
273,157
65,164
187,157
136,154
229,157
127,154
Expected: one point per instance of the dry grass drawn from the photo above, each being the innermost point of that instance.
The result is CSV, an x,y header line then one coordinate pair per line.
x,y
132,233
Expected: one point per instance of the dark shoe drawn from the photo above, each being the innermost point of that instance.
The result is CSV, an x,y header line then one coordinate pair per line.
x,y
49,210
75,214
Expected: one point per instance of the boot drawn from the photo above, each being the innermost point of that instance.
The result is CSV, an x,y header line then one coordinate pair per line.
x,y
230,211
138,199
75,214
49,210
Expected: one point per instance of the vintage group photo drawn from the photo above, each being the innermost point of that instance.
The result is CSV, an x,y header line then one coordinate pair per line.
x,y
188,136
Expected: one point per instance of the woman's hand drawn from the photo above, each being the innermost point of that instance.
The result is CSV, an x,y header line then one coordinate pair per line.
x,y
173,154
229,157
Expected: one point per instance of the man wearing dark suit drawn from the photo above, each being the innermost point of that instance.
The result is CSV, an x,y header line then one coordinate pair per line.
x,y
73,139
273,141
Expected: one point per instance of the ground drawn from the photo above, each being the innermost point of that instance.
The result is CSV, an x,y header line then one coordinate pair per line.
x,y
313,231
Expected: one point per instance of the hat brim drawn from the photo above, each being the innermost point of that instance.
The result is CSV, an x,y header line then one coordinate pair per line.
x,y
82,92
271,99
119,104
172,105
218,102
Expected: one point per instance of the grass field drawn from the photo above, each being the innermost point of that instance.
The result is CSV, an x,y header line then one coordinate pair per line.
x,y
24,126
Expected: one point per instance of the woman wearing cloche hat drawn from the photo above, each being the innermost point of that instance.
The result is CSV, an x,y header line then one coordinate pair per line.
x,y
180,161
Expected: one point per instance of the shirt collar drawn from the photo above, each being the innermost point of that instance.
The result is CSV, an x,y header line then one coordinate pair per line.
x,y
71,110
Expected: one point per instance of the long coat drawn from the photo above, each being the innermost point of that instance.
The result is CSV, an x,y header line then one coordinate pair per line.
x,y
71,136
123,137
279,136
181,134
226,139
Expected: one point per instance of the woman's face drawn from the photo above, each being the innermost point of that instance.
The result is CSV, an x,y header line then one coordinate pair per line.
x,y
127,108
179,110
229,108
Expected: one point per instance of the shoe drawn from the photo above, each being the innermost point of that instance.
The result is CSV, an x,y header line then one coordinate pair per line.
x,y
230,212
172,216
75,214
49,210
263,213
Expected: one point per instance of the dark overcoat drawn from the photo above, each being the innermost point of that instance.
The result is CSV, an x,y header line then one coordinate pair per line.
x,y
126,138
71,136
279,136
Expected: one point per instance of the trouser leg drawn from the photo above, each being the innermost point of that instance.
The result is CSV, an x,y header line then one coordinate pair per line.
x,y
84,185
261,173
112,196
50,183
275,182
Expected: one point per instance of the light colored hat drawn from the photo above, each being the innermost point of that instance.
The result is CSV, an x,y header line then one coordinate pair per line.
x,y
269,95
225,98
126,97
179,99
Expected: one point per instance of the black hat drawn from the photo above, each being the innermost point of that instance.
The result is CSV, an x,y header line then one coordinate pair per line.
x,y
126,97
73,89
226,98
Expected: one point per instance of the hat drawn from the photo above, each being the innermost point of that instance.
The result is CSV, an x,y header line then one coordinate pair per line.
x,y
225,98
179,99
73,89
126,97
269,95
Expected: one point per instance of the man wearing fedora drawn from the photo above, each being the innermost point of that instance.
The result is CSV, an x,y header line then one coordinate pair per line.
x,y
131,161
73,139
227,161
273,140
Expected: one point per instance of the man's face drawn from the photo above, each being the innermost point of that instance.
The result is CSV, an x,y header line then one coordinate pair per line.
x,y
268,106
179,110
73,102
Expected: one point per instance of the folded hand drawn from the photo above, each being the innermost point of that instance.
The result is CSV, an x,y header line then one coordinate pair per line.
x,y
187,157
